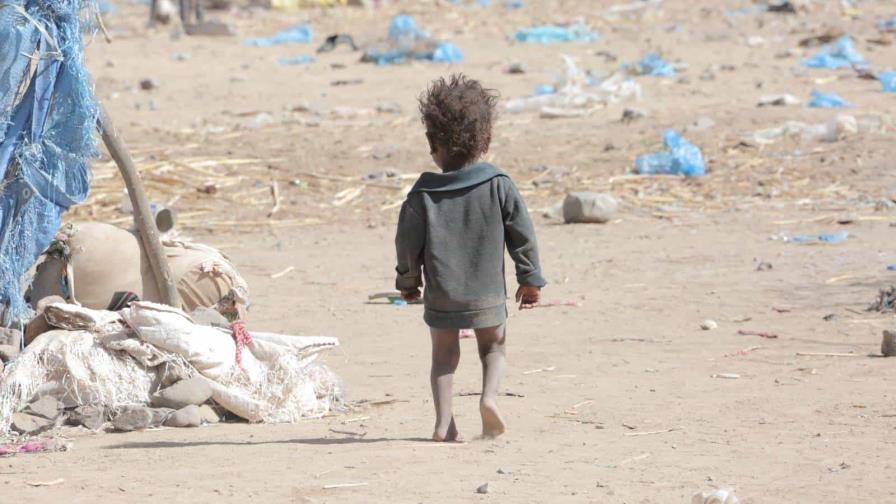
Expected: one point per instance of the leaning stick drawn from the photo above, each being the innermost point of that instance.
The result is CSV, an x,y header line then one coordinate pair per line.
x,y
146,227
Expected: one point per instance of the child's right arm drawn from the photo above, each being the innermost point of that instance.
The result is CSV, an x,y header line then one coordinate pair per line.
x,y
409,241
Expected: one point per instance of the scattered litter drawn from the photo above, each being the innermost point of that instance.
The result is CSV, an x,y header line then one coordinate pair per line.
x,y
552,34
335,40
827,354
505,470
888,344
576,93
33,446
653,64
744,351
726,376
764,266
888,25
826,100
589,207
544,89
888,81
840,54
282,273
885,302
300,34
483,488
891,267
301,59
838,237
748,332
721,496
834,130
780,100
406,42
709,325
540,370
680,158
651,433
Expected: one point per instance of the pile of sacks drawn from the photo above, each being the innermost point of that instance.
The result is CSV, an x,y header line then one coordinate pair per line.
x,y
150,365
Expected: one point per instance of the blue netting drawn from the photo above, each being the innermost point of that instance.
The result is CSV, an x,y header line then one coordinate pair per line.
x,y
47,123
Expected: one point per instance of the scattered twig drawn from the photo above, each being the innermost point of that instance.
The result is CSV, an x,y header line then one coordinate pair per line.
x,y
726,376
275,194
650,433
353,420
748,332
102,25
828,354
634,459
743,351
344,485
282,273
348,433
540,370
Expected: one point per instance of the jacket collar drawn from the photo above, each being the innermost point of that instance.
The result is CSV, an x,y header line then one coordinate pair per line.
x,y
468,176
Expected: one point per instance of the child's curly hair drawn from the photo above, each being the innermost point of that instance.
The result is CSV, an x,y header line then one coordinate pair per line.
x,y
458,114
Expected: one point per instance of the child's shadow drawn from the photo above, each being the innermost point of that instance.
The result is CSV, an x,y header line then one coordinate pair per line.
x,y
309,441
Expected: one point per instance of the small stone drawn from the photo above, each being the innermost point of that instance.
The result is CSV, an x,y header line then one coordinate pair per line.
x,y
46,407
483,488
91,417
194,391
632,114
208,414
709,325
132,418
8,353
388,108
23,423
505,470
587,207
148,84
10,336
189,416
764,266
888,344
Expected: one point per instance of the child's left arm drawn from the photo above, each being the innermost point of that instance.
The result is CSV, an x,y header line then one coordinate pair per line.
x,y
409,241
519,233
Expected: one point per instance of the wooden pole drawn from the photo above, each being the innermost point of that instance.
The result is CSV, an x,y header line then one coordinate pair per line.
x,y
143,219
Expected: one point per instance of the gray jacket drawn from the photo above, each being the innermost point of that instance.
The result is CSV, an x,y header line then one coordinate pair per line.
x,y
455,226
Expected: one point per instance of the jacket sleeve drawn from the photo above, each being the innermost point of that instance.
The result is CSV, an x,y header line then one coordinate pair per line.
x,y
409,242
519,234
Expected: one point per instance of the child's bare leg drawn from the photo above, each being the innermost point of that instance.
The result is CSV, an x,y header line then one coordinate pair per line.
x,y
445,356
491,352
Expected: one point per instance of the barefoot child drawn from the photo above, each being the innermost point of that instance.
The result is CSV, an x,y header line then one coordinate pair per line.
x,y
454,225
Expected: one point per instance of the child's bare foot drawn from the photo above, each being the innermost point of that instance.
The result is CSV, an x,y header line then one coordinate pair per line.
x,y
447,434
492,422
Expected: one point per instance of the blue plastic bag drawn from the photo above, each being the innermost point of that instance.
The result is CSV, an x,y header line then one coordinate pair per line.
x,y
301,59
514,4
841,54
544,89
552,34
823,100
887,24
680,158
653,64
300,34
838,237
447,53
403,28
888,81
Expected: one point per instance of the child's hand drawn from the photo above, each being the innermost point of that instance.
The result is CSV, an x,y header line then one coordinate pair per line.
x,y
528,296
411,295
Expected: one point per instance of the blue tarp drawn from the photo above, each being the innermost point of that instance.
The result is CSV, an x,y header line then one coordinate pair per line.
x,y
46,133
840,54
888,81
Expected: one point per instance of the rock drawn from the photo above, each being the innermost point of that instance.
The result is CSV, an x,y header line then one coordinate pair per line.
x,y
209,317
189,416
23,423
148,84
632,114
505,470
8,352
586,207
483,488
208,414
133,418
194,391
764,266
10,336
888,344
91,417
45,407
709,325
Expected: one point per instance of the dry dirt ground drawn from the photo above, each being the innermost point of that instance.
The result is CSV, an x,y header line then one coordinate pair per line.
x,y
620,400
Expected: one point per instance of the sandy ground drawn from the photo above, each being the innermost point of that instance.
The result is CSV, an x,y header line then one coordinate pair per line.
x,y
619,400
